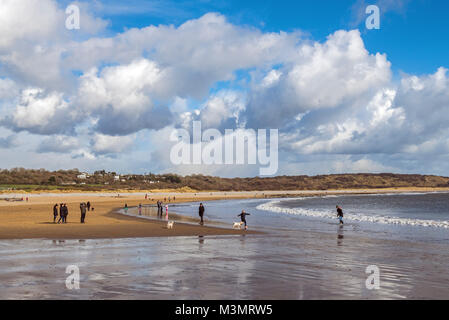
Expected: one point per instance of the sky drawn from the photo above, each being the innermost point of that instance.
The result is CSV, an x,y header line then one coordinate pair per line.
x,y
108,95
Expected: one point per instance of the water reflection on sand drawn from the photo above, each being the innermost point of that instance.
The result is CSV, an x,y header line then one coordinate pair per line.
x,y
291,265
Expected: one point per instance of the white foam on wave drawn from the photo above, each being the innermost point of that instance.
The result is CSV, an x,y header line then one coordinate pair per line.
x,y
273,206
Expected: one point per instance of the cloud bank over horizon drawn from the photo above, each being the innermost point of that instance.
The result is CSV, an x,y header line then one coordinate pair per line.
x,y
94,100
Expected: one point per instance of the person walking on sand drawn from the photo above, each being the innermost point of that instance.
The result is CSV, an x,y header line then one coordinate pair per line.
x,y
140,209
126,208
340,214
83,207
88,205
66,213
61,213
201,213
243,218
55,212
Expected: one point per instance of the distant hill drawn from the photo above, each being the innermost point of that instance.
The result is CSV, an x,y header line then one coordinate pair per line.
x,y
27,179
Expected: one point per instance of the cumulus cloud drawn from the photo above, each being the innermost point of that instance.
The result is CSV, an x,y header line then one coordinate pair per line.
x,y
34,41
328,75
8,142
8,89
121,98
58,144
104,144
42,113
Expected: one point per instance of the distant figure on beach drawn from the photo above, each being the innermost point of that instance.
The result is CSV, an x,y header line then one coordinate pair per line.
x,y
340,214
83,210
55,212
146,196
201,213
243,218
88,205
64,213
61,213
126,208
140,209
160,208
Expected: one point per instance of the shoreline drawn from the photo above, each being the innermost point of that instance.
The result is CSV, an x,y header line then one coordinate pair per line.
x,y
34,219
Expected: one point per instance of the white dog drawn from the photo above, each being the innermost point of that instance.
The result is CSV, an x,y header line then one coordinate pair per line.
x,y
237,225
170,224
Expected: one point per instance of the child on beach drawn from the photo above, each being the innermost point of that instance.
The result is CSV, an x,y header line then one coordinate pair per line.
x,y
243,218
340,214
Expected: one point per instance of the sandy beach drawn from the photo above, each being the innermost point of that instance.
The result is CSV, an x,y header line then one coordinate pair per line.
x,y
34,218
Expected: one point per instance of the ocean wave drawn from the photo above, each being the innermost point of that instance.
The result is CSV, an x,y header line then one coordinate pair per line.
x,y
273,206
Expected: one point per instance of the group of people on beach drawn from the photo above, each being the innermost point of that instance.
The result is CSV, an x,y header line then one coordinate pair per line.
x,y
63,211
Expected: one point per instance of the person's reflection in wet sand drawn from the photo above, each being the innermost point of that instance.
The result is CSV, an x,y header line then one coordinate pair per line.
x,y
340,235
242,241
200,241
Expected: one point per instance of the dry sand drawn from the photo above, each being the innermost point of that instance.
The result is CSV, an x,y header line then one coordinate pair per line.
x,y
34,219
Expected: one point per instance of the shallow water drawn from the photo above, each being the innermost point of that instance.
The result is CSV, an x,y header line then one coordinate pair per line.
x,y
411,217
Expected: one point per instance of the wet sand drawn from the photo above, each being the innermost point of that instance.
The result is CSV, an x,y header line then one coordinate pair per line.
x,y
301,265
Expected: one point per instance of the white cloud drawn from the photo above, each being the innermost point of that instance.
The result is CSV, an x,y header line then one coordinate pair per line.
x,y
104,144
41,112
121,97
28,20
58,144
8,89
337,72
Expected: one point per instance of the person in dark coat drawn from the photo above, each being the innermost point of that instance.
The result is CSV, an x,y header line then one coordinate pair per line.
x,y
243,218
201,213
61,213
66,213
55,212
159,208
340,214
88,205
83,208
